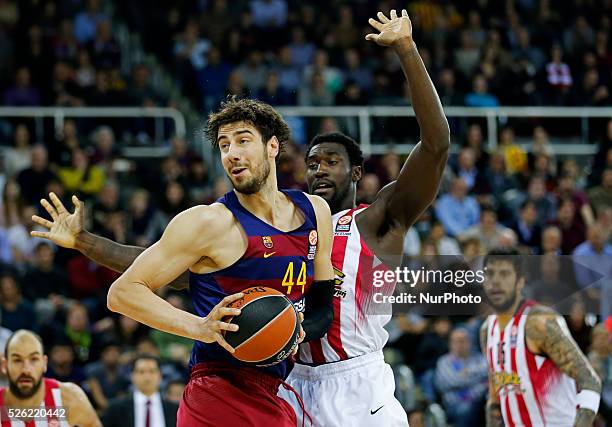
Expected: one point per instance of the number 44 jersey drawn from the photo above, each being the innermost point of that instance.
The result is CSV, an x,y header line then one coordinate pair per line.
x,y
280,260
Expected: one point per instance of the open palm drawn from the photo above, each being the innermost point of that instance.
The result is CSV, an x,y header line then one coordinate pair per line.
x,y
391,30
66,226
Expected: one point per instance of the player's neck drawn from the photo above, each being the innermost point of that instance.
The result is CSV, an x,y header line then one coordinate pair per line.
x,y
11,400
504,317
265,202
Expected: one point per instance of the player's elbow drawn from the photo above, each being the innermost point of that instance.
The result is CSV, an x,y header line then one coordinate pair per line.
x,y
115,299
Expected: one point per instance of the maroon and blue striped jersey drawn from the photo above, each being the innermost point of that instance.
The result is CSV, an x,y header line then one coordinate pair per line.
x,y
276,259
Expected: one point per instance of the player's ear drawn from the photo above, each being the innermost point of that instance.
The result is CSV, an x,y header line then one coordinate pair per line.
x,y
273,146
357,173
45,361
520,284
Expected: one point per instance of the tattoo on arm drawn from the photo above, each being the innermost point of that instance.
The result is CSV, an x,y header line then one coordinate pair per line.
x,y
584,418
549,333
116,256
493,415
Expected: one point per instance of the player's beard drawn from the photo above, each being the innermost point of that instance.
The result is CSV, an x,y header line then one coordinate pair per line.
x,y
27,393
504,306
256,182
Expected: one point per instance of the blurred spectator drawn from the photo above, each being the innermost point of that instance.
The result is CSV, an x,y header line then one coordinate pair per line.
x,y
544,202
462,379
269,13
85,74
559,78
213,78
145,403
16,312
552,283
85,22
515,156
18,158
66,142
82,178
140,92
572,228
43,278
35,179
551,240
593,267
174,391
577,324
445,245
61,363
466,167
566,189
289,75
315,92
488,230
22,93
369,186
106,204
480,97
302,50
105,381
526,226
601,196
104,49
140,219
456,210
273,93
600,356
256,70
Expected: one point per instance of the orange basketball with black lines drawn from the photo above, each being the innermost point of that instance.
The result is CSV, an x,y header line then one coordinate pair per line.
x,y
268,327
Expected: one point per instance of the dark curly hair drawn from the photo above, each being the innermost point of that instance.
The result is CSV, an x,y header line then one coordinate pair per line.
x,y
352,147
259,114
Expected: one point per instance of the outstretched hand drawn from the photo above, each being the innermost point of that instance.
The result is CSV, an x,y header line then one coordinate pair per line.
x,y
391,31
65,226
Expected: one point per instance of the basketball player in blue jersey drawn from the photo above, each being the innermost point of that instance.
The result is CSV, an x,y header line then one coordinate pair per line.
x,y
254,235
335,166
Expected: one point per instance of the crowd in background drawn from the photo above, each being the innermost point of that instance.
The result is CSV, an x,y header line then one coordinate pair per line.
x,y
526,52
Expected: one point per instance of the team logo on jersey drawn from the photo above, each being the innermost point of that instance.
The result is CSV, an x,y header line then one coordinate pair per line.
x,y
339,292
344,224
267,242
513,336
312,237
506,382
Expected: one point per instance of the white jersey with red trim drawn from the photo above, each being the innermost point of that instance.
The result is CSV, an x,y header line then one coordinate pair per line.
x,y
51,406
532,391
354,330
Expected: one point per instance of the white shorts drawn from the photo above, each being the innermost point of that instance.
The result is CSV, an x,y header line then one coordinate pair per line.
x,y
350,393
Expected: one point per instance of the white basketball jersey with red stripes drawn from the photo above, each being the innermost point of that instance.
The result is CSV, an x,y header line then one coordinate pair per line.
x,y
353,332
51,409
532,391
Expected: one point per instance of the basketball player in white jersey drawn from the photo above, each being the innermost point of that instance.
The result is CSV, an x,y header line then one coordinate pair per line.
x,y
537,374
34,401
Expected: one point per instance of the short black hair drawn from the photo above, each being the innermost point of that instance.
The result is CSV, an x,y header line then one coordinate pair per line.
x,y
511,255
352,147
10,338
145,356
259,114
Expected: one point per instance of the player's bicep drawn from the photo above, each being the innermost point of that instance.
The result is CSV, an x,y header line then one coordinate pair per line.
x,y
549,334
322,261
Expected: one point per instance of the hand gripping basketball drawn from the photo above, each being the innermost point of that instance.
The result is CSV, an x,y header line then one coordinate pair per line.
x,y
212,325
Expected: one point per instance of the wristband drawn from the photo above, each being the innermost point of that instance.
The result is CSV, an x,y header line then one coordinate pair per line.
x,y
588,399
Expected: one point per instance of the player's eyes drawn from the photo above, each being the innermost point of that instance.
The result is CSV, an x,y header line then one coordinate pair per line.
x,y
313,165
333,162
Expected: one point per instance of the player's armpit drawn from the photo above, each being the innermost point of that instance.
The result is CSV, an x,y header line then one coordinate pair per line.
x,y
323,269
79,410
548,334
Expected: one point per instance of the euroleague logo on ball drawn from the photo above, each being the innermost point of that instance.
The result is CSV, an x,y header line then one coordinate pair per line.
x,y
312,237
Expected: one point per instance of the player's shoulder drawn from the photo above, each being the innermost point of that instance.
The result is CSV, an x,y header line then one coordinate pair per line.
x,y
72,394
538,319
213,217
319,204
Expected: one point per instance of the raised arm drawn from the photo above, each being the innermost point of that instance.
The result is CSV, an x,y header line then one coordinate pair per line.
x,y
181,247
547,333
68,231
319,311
417,184
492,409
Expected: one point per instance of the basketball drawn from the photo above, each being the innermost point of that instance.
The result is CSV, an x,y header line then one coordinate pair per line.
x,y
269,327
